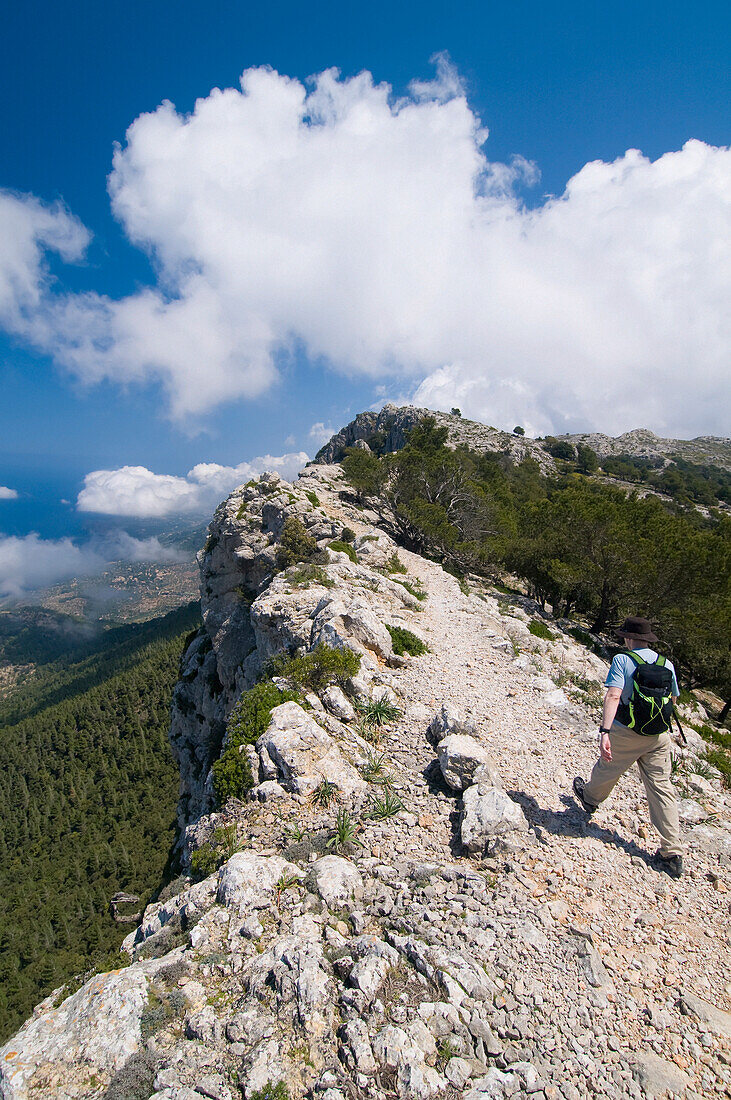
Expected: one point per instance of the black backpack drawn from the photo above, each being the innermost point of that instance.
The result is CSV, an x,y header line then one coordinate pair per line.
x,y
650,707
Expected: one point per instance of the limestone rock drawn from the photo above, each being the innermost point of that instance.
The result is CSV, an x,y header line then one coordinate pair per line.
x,y
248,880
709,838
93,1032
337,702
715,1019
459,758
449,720
658,1077
198,898
487,814
336,880
304,753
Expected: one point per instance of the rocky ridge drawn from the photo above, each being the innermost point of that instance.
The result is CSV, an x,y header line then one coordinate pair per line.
x,y
482,940
394,422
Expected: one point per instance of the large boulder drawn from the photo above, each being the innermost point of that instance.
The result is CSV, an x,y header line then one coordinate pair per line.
x,y
338,623
487,813
459,758
449,720
715,841
248,880
90,1035
304,754
336,880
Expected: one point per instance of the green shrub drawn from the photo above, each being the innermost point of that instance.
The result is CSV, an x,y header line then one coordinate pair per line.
x,y
134,1080
313,498
344,548
271,1091
348,534
295,544
308,573
211,544
205,860
539,630
406,642
323,666
247,721
721,759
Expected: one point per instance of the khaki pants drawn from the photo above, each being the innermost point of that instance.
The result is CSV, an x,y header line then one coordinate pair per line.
x,y
652,755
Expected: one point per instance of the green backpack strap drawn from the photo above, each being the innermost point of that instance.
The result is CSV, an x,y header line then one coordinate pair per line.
x,y
636,658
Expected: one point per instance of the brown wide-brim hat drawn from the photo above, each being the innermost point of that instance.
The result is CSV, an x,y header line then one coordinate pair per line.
x,y
637,628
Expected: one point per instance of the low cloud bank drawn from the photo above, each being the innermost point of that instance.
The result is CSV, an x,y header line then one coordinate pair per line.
x,y
137,491
30,562
8,494
374,233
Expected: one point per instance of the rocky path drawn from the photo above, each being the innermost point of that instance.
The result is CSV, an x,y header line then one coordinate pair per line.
x,y
660,942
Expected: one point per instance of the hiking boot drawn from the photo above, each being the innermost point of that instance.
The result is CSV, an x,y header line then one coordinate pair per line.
x,y
669,865
579,785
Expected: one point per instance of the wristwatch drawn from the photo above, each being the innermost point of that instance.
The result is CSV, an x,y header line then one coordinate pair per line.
x,y
603,729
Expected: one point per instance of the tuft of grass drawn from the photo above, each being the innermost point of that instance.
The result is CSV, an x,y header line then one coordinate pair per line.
x,y
372,734
374,769
395,565
378,712
539,630
346,831
324,794
313,498
344,548
306,574
387,805
284,882
348,534
445,1050
415,589
721,760
405,642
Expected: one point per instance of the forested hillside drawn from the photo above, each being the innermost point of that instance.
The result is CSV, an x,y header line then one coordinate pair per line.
x,y
88,791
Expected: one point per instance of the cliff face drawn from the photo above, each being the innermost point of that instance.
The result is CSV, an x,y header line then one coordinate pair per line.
x,y
412,909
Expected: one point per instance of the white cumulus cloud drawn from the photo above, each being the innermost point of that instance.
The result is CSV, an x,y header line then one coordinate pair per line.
x,y
29,562
319,434
8,494
375,233
137,491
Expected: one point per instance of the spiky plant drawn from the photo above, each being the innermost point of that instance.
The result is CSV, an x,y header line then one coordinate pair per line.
x,y
388,804
324,793
378,712
374,768
346,831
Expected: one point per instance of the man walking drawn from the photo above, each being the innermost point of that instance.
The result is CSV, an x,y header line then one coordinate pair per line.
x,y
627,711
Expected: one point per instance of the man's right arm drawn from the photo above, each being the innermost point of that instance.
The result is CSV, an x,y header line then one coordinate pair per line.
x,y
609,711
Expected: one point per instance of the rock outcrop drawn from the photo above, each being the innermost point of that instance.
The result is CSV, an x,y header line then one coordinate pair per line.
x,y
408,902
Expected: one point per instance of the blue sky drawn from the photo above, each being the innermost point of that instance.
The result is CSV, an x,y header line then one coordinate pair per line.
x,y
513,305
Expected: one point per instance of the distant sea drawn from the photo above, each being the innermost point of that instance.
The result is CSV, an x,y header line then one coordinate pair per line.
x,y
40,507
39,504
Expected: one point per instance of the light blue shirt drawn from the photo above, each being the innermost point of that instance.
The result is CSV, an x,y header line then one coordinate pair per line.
x,y
622,669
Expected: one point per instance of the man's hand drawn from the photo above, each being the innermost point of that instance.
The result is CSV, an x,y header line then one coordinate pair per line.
x,y
605,748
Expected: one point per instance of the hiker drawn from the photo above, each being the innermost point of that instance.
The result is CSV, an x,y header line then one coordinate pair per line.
x,y
641,691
